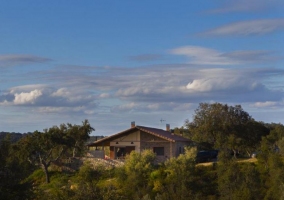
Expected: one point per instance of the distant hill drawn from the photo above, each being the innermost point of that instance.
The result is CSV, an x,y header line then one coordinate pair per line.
x,y
13,136
94,138
17,136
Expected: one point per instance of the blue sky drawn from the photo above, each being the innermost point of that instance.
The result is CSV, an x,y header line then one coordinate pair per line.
x,y
113,62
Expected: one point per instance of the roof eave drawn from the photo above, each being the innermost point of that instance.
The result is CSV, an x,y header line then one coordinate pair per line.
x,y
96,143
157,135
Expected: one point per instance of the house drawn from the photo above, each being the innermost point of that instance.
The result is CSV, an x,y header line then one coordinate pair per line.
x,y
137,138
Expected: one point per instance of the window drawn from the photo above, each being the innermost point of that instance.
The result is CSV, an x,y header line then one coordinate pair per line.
x,y
159,151
180,150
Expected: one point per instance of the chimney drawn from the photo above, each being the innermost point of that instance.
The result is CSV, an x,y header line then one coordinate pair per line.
x,y
132,124
168,127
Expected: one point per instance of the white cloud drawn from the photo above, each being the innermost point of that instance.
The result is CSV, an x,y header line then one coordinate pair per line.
x,y
184,107
189,84
201,55
153,106
49,100
153,88
27,88
125,107
268,104
104,95
133,91
89,112
246,5
253,27
221,83
27,97
48,109
62,92
65,110
142,107
206,56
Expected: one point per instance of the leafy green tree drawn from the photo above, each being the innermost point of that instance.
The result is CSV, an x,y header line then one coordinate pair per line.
x,y
276,136
274,178
271,165
181,131
224,127
271,144
134,175
175,179
78,136
45,148
85,183
42,149
276,131
13,171
253,135
238,181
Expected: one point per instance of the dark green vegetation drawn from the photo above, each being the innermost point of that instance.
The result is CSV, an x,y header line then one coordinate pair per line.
x,y
33,167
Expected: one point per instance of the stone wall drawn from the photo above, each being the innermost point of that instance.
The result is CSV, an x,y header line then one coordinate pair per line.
x,y
97,153
151,145
180,146
149,141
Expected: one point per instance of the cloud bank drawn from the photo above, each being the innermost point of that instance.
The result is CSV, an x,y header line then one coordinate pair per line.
x,y
246,28
229,6
207,56
209,75
47,99
9,60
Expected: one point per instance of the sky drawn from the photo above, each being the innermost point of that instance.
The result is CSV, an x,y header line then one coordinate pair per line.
x,y
150,61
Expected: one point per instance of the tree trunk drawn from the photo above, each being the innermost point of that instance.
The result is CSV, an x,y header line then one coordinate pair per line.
x,y
249,153
45,169
235,153
74,150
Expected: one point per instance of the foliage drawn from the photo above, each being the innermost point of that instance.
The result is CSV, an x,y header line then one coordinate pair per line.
x,y
140,177
135,174
85,184
77,136
270,163
225,127
45,148
174,180
12,172
238,181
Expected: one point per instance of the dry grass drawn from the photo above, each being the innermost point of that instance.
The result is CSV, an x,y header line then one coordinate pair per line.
x,y
247,160
239,160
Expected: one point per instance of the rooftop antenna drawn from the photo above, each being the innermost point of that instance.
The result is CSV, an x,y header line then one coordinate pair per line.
x,y
161,120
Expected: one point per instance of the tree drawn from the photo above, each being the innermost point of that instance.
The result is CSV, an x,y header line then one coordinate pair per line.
x,y
13,171
276,136
175,179
270,163
85,183
79,135
135,174
238,181
42,149
48,147
222,126
252,136
181,131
